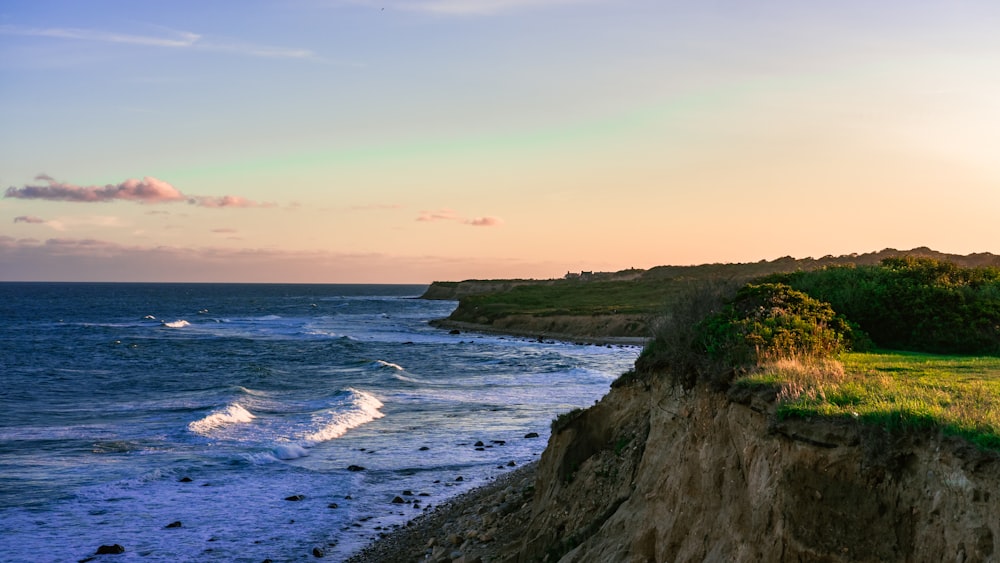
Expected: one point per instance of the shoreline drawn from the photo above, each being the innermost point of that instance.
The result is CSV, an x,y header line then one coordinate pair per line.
x,y
485,524
447,324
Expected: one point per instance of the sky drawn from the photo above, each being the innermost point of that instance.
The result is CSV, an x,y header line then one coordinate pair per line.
x,y
407,141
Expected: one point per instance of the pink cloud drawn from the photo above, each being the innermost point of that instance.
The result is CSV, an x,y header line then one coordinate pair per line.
x,y
225,201
485,222
452,215
224,231
68,259
29,219
147,190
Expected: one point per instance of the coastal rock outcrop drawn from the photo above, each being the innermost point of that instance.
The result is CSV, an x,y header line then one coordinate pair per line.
x,y
657,473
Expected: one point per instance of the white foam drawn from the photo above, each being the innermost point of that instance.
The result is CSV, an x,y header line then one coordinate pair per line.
x,y
289,451
384,363
361,408
232,414
177,324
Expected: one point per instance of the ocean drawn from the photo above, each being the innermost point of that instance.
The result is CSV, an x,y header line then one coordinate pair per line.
x,y
244,422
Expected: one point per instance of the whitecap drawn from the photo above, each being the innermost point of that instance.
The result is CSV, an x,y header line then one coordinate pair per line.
x,y
177,324
384,363
359,408
232,414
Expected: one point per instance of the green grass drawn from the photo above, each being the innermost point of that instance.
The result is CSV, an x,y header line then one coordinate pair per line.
x,y
958,394
641,297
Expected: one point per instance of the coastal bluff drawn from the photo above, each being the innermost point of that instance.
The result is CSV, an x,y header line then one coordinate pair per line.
x,y
657,473
654,472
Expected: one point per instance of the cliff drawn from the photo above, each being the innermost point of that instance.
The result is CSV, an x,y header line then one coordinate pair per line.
x,y
453,291
654,473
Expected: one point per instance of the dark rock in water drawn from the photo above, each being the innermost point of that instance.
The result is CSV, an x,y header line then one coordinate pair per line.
x,y
267,561
480,449
110,549
407,493
479,444
86,560
176,524
531,435
459,478
348,497
511,463
295,498
398,500
317,552
424,448
333,505
185,480
499,442
355,468
454,331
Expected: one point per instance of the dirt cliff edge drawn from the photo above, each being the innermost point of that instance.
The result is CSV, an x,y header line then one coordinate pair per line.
x,y
656,473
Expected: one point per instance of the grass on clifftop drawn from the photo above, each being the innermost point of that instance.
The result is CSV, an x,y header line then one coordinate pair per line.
x,y
958,394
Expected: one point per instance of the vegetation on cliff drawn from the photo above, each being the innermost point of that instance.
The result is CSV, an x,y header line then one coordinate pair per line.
x,y
792,332
630,303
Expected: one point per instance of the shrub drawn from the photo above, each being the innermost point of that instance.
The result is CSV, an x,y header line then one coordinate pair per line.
x,y
674,348
911,303
771,321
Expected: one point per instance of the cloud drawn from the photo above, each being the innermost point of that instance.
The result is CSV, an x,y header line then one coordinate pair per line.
x,y
29,219
452,215
226,201
147,190
440,215
225,231
169,39
482,7
485,222
68,259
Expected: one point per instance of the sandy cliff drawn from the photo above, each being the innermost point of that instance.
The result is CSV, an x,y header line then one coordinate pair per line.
x,y
659,474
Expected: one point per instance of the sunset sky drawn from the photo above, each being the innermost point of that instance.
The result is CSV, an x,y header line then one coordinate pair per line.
x,y
406,141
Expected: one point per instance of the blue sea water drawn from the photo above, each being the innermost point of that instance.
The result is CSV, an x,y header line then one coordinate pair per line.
x,y
127,407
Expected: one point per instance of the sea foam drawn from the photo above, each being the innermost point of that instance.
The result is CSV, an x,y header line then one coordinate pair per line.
x,y
358,408
177,324
232,414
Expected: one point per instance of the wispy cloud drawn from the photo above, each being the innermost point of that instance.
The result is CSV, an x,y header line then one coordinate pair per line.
x,y
226,201
485,222
452,215
224,231
29,219
88,259
173,38
439,215
481,7
149,190
167,39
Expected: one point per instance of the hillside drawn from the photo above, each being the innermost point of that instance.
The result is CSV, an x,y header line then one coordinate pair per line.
x,y
623,304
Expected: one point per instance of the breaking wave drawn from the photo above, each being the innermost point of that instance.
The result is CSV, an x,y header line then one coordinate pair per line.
x,y
232,414
356,409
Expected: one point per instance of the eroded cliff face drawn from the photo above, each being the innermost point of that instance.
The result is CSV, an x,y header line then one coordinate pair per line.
x,y
654,473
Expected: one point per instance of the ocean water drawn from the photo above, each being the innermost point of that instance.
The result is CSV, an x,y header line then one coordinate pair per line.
x,y
125,408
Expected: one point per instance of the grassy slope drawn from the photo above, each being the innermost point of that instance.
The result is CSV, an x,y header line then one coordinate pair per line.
x,y
958,394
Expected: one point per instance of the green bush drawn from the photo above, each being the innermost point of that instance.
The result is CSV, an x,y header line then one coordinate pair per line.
x,y
917,304
771,321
